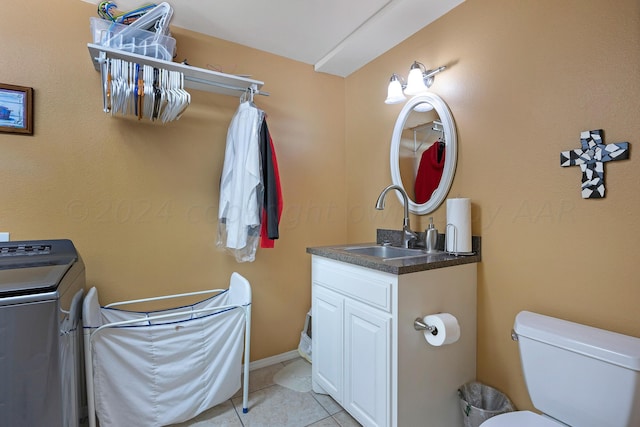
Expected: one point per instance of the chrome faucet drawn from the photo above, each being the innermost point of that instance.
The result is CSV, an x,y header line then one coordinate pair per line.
x,y
408,236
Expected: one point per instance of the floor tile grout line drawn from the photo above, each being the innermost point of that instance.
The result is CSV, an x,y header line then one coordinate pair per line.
x,y
235,408
322,419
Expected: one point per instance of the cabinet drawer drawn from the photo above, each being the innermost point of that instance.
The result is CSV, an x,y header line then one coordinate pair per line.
x,y
359,283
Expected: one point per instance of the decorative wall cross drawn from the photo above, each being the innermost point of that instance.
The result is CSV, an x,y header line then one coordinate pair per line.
x,y
591,159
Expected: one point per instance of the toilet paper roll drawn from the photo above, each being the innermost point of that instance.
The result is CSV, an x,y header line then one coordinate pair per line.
x,y
447,326
458,225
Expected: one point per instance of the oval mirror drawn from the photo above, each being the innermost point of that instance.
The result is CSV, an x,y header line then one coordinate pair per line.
x,y
424,152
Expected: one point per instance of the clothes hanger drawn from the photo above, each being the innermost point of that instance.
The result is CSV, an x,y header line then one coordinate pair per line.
x,y
144,91
157,93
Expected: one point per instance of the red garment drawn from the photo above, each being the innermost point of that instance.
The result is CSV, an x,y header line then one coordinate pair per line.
x,y
429,171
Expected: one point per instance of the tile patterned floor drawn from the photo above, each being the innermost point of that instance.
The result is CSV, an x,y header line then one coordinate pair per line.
x,y
272,405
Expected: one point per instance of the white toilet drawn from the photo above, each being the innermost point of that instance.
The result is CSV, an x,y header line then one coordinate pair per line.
x,y
576,375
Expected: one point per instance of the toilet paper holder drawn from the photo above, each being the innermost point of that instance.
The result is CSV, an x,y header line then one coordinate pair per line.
x,y
419,325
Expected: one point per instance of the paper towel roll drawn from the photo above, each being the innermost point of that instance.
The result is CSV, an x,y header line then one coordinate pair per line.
x,y
447,326
458,225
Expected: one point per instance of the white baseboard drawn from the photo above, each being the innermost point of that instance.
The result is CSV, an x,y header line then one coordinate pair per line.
x,y
289,355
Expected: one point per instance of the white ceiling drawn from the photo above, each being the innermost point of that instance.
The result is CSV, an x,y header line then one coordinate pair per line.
x,y
335,36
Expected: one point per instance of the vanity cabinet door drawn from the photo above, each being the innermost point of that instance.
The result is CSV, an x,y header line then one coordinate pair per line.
x,y
327,341
367,393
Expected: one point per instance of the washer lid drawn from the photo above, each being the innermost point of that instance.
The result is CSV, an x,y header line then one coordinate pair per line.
x,y
33,267
520,419
31,280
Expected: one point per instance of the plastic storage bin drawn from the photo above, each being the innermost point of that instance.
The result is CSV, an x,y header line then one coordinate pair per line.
x,y
479,402
133,40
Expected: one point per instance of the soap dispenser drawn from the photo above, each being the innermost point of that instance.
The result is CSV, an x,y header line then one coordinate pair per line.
x,y
431,237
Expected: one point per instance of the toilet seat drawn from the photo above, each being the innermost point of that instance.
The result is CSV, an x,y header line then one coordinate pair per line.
x,y
520,419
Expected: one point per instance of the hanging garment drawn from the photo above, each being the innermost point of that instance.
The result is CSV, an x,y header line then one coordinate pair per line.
x,y
272,205
429,171
241,189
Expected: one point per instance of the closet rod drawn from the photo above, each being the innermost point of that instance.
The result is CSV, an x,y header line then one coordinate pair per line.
x,y
421,128
210,82
223,85
195,78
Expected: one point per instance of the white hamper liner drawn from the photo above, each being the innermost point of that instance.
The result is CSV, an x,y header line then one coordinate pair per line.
x,y
165,367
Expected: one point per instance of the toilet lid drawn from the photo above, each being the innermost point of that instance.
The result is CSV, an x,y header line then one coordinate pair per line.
x,y
520,419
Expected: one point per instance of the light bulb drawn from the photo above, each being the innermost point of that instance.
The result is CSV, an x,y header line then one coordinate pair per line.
x,y
394,92
415,82
423,107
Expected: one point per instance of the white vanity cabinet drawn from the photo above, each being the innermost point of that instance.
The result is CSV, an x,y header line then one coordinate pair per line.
x,y
368,356
351,315
327,366
366,363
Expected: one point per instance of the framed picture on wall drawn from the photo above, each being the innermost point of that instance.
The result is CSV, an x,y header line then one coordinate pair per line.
x,y
16,109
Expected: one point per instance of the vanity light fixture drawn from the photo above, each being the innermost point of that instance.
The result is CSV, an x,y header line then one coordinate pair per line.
x,y
394,91
419,80
423,107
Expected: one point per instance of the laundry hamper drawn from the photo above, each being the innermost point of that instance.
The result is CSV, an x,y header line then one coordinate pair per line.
x,y
164,367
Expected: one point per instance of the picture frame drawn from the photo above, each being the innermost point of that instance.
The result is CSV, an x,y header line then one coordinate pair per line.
x,y
16,109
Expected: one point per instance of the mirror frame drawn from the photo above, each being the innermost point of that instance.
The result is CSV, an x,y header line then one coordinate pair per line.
x,y
451,155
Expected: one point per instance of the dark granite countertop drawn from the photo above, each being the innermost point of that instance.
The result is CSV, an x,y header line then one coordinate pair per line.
x,y
398,265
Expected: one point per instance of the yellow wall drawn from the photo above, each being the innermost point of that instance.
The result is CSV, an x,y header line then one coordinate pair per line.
x,y
139,200
524,78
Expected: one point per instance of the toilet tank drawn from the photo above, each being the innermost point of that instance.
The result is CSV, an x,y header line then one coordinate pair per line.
x,y
580,375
